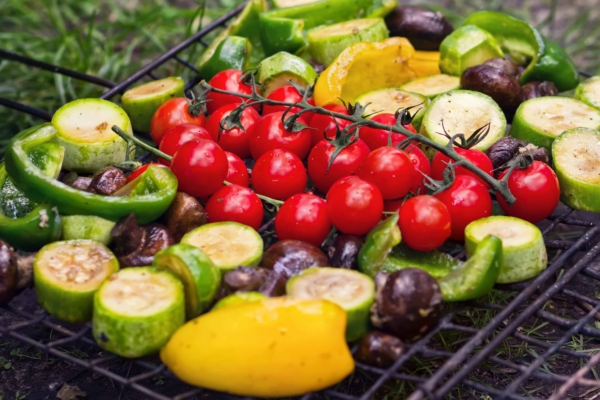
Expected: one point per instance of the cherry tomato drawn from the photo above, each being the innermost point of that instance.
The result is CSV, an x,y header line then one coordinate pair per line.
x,y
235,203
425,223
536,189
172,113
231,81
234,140
325,124
422,168
237,172
137,172
178,135
392,206
347,162
467,200
354,205
200,167
376,138
304,217
269,134
279,174
391,170
288,94
477,157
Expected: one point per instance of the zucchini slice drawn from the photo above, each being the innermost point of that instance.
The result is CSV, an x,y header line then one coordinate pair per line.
x,y
66,275
576,156
88,227
351,290
327,42
137,310
141,102
465,47
541,120
238,298
277,70
391,100
432,85
523,248
463,111
589,92
228,244
200,277
84,129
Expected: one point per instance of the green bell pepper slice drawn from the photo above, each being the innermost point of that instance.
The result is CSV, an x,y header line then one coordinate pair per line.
x,y
232,53
378,244
547,60
477,275
148,196
435,263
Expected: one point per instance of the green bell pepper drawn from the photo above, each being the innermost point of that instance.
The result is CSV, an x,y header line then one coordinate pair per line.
x,y
378,243
148,196
435,263
547,60
477,275
232,53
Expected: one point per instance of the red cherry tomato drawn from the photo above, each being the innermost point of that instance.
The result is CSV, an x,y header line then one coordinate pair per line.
x,y
467,200
304,217
234,140
477,157
347,162
235,203
269,134
376,138
237,172
391,170
424,223
231,81
536,189
392,206
422,168
325,124
354,205
279,174
288,94
178,135
200,167
172,113
135,173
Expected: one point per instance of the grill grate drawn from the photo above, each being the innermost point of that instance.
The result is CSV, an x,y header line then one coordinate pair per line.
x,y
461,358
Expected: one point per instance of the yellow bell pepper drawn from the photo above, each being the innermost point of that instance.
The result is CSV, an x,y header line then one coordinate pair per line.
x,y
368,66
270,348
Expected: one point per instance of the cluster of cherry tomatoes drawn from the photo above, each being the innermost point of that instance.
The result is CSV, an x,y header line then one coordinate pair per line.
x,y
365,179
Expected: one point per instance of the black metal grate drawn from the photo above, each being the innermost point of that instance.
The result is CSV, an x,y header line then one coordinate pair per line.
x,y
539,318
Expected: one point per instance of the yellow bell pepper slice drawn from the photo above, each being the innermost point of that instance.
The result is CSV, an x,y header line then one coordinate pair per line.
x,y
368,66
275,347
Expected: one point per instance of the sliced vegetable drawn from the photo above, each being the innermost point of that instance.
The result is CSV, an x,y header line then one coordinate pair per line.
x,y
66,275
327,42
281,68
433,85
232,53
589,92
137,310
541,120
463,111
227,244
477,275
200,277
238,298
435,263
378,244
576,156
87,227
141,102
523,249
465,47
392,100
297,346
83,127
351,290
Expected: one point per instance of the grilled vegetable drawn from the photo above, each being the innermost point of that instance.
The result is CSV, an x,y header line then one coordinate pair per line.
x,y
379,349
503,88
344,252
508,148
66,275
378,244
466,47
435,263
508,67
237,299
536,89
8,273
433,85
392,100
137,310
232,53
289,257
250,279
107,181
87,227
589,91
281,68
424,28
184,215
351,290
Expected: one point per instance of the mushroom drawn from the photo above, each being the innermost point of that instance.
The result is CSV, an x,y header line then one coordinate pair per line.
x,y
424,28
252,279
289,257
184,214
8,273
107,181
344,252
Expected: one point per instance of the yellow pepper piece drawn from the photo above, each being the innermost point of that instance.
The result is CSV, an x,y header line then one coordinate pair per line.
x,y
275,347
425,63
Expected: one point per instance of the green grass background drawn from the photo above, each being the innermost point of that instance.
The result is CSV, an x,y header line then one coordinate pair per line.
x,y
113,39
